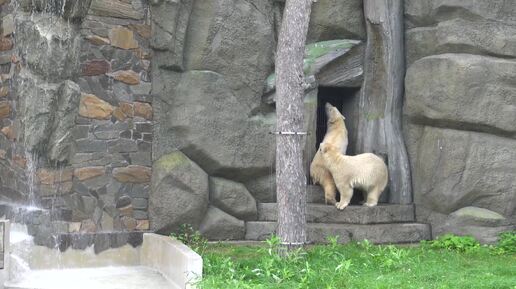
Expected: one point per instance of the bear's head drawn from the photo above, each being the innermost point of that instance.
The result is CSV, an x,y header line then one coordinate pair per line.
x,y
328,148
333,115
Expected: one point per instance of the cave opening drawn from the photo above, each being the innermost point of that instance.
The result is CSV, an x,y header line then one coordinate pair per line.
x,y
345,99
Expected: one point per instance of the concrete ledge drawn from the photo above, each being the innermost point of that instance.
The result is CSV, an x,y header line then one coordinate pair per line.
x,y
319,213
4,251
376,233
158,260
173,259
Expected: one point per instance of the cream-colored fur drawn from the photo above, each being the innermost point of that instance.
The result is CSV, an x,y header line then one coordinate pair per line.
x,y
367,172
336,135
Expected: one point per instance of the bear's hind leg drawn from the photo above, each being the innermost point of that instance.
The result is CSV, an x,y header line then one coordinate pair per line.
x,y
329,187
345,197
330,192
372,197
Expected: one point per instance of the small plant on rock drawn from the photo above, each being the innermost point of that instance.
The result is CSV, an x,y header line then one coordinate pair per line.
x,y
191,237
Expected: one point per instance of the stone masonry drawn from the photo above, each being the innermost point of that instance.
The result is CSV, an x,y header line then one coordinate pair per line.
x,y
76,113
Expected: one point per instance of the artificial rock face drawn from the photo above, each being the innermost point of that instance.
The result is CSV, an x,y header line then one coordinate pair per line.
x,y
459,111
179,193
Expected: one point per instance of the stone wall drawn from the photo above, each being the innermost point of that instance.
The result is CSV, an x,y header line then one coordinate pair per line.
x,y
77,113
214,157
460,113
107,141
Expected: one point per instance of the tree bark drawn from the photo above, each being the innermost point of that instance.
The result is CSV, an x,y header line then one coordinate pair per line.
x,y
382,94
290,176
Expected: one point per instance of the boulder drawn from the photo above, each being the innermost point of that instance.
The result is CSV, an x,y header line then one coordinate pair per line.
x,y
263,188
488,37
455,169
179,193
233,198
429,12
218,225
474,216
483,224
335,19
218,40
201,116
462,91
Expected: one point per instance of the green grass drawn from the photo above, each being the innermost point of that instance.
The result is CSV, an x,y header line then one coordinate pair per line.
x,y
358,265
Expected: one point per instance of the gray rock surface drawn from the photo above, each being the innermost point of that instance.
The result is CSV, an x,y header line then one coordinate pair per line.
x,y
483,224
233,198
463,91
455,169
335,19
218,225
73,10
263,188
219,40
49,46
474,216
379,233
488,37
208,121
169,24
429,12
319,213
48,112
179,193
65,110
460,116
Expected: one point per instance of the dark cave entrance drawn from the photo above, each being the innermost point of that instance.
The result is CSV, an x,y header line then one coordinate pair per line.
x,y
345,99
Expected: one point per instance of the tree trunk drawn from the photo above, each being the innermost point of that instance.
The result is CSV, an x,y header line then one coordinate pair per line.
x,y
290,176
382,94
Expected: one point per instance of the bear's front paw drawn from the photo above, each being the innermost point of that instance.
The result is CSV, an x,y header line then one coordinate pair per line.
x,y
341,205
370,204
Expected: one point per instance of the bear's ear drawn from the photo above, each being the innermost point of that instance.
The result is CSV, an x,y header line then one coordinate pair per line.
x,y
323,147
344,118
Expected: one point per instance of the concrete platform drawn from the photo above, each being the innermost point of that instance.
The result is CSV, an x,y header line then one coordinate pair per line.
x,y
320,213
92,278
155,263
376,233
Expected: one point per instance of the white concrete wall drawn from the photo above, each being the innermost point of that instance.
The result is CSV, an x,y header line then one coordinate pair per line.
x,y
177,262
4,250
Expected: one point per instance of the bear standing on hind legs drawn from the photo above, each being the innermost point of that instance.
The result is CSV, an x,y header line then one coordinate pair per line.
x,y
366,171
336,135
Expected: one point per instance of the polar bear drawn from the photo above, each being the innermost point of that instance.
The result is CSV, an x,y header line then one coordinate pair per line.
x,y
367,172
337,135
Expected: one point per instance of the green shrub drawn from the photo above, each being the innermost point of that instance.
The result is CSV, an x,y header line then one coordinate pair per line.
x,y
192,238
506,243
454,243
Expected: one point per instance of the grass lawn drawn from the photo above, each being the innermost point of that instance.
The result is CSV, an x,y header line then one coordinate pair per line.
x,y
355,265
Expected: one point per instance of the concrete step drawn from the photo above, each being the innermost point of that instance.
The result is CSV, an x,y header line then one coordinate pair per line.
x,y
377,233
319,213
